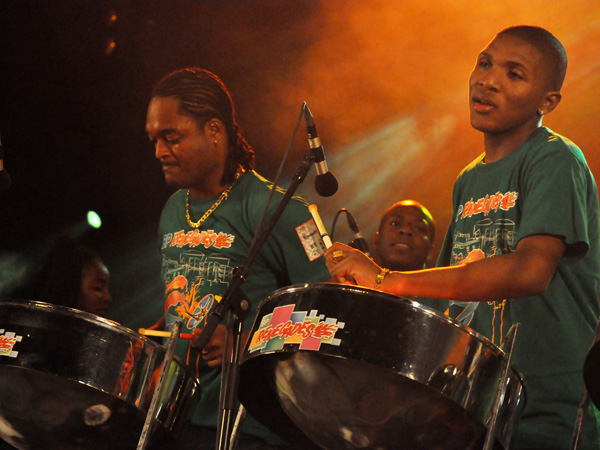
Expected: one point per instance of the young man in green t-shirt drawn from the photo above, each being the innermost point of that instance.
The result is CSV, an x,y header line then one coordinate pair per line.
x,y
523,240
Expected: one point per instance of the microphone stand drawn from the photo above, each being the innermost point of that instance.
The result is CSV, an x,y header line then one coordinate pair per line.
x,y
235,301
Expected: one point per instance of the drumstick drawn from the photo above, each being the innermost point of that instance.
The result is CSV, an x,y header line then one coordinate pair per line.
x,y
326,239
161,333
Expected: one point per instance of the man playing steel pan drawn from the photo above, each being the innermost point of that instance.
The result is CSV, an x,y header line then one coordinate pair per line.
x,y
525,218
207,227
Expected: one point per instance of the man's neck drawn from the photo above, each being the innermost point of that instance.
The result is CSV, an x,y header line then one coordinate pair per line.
x,y
497,146
207,191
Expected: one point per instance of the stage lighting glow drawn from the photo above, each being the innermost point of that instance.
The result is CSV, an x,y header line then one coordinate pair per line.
x,y
94,219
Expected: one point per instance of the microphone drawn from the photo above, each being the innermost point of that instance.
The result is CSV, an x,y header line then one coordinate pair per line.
x,y
4,177
325,184
359,241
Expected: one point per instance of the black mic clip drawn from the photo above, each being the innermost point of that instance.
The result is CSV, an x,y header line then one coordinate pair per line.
x,y
325,182
358,241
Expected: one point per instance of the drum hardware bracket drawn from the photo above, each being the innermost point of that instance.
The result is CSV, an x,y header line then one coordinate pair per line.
x,y
166,365
237,425
581,413
509,342
229,384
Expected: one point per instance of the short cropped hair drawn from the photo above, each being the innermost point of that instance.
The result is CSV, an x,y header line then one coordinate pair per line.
x,y
553,52
414,204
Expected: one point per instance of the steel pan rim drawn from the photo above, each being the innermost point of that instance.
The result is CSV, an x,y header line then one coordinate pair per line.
x,y
40,306
423,308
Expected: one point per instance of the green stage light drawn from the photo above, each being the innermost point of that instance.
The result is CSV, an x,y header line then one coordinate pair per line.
x,y
94,219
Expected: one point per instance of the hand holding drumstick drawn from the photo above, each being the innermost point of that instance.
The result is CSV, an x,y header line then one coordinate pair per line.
x,y
346,264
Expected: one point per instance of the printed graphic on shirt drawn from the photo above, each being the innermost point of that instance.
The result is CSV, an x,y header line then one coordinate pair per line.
x,y
489,237
487,204
195,238
492,237
189,276
311,239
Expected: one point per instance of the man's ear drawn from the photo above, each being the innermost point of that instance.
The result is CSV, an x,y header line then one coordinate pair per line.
x,y
215,130
551,101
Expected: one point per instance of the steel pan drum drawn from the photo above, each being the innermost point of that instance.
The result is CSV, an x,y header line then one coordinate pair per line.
x,y
351,368
591,373
70,380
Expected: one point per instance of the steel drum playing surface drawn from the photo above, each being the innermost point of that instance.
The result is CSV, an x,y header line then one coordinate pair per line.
x,y
73,381
343,367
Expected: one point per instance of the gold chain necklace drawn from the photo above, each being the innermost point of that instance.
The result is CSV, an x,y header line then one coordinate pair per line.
x,y
222,197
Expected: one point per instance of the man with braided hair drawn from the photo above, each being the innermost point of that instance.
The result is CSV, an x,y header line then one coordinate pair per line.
x,y
206,229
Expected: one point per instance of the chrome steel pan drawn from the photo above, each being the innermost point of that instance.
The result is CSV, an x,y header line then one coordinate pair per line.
x,y
348,367
72,380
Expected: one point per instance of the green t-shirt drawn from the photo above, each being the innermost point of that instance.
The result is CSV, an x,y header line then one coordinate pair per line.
x,y
542,187
197,265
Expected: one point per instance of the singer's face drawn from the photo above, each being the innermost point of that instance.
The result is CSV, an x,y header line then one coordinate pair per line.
x,y
507,87
187,151
404,239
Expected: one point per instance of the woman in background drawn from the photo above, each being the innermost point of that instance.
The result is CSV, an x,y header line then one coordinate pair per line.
x,y
74,276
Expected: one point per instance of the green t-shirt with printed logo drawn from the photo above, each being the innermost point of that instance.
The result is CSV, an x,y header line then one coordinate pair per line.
x,y
542,187
197,265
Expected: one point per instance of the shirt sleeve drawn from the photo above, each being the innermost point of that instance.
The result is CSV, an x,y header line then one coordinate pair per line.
x,y
288,252
556,184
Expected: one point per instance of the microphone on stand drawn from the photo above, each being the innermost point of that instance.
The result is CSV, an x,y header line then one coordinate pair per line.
x,y
4,176
325,183
359,241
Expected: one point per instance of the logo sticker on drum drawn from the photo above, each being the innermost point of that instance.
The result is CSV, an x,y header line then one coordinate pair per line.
x,y
286,326
7,342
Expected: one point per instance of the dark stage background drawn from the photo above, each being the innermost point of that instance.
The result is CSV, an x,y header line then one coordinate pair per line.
x,y
385,80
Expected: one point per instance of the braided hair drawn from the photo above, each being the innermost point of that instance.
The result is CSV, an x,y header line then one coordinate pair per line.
x,y
203,96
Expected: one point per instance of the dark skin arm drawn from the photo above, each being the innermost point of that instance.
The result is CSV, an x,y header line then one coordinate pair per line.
x,y
215,347
159,324
526,271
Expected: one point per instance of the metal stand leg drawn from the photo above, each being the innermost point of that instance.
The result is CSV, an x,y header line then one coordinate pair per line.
x,y
229,385
166,365
511,337
581,413
235,433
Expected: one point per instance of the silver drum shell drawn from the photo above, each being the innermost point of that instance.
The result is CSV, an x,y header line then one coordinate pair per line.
x,y
395,374
73,380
